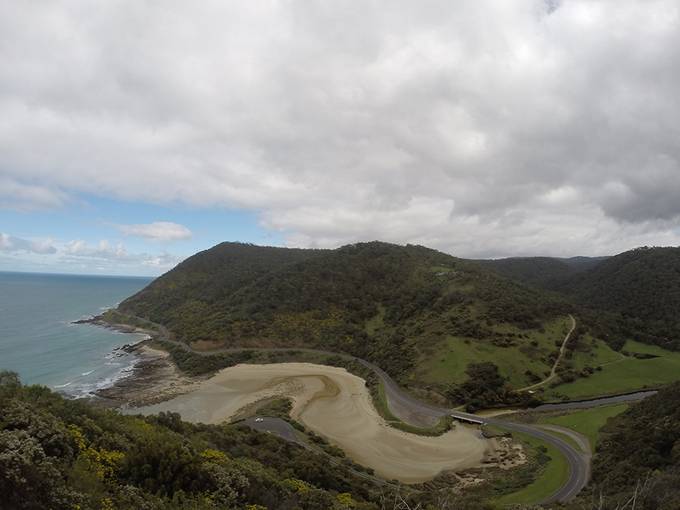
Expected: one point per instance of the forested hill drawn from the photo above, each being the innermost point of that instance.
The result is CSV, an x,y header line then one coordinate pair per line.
x,y
538,271
642,286
399,297
640,450
209,276
545,272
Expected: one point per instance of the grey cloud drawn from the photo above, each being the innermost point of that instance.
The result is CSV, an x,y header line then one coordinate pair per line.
x,y
26,196
480,127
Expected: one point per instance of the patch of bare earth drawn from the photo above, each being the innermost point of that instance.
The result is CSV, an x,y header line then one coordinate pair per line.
x,y
505,455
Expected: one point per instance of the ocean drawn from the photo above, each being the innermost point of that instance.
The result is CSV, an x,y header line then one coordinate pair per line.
x,y
39,341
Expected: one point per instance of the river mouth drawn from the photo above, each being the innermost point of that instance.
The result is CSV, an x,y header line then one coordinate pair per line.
x,y
337,405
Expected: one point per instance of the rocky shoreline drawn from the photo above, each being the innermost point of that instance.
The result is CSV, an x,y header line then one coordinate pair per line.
x,y
154,377
99,320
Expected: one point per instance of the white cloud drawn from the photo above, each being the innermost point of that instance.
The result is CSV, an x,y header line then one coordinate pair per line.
x,y
103,250
157,231
79,255
117,254
11,244
479,127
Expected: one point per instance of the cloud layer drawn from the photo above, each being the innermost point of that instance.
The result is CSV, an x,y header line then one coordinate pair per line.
x,y
11,244
79,255
157,231
480,127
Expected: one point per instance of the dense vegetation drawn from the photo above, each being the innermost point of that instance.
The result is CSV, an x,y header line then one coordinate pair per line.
x,y
61,454
641,288
633,295
639,450
382,302
486,388
65,454
208,277
544,272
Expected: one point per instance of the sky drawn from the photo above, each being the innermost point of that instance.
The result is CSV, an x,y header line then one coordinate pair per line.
x,y
136,133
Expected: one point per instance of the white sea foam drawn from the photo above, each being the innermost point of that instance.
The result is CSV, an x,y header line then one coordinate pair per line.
x,y
85,386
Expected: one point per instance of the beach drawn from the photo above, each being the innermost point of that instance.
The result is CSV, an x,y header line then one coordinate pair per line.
x,y
337,405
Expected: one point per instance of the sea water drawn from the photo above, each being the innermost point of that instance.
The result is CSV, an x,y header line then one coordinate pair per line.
x,y
39,341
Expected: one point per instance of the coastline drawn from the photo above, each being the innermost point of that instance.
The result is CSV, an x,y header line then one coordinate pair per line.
x,y
337,405
154,378
151,378
156,384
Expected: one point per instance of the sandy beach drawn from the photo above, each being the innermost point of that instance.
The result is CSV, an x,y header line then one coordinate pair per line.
x,y
337,405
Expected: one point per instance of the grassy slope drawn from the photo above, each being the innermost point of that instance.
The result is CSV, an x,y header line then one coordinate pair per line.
x,y
451,357
628,374
551,477
586,421
599,354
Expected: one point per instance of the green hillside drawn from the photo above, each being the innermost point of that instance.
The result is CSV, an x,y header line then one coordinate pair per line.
x,y
638,450
208,277
544,272
641,288
399,306
633,295
537,271
637,366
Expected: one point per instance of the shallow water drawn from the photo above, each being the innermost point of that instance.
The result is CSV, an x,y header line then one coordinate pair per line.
x,y
39,341
337,405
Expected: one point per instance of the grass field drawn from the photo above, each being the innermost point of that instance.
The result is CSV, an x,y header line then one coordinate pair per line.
x,y
586,421
626,374
599,354
447,363
550,479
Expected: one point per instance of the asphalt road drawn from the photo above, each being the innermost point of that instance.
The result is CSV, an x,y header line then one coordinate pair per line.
x,y
287,432
578,462
416,412
602,401
276,426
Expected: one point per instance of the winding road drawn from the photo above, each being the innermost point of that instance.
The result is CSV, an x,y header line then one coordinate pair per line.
x,y
405,406
416,412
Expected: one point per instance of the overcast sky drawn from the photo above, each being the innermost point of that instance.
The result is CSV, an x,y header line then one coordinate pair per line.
x,y
134,133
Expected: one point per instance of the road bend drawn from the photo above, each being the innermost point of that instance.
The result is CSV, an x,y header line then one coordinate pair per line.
x,y
416,412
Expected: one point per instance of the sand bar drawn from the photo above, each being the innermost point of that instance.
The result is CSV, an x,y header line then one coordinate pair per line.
x,y
336,404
